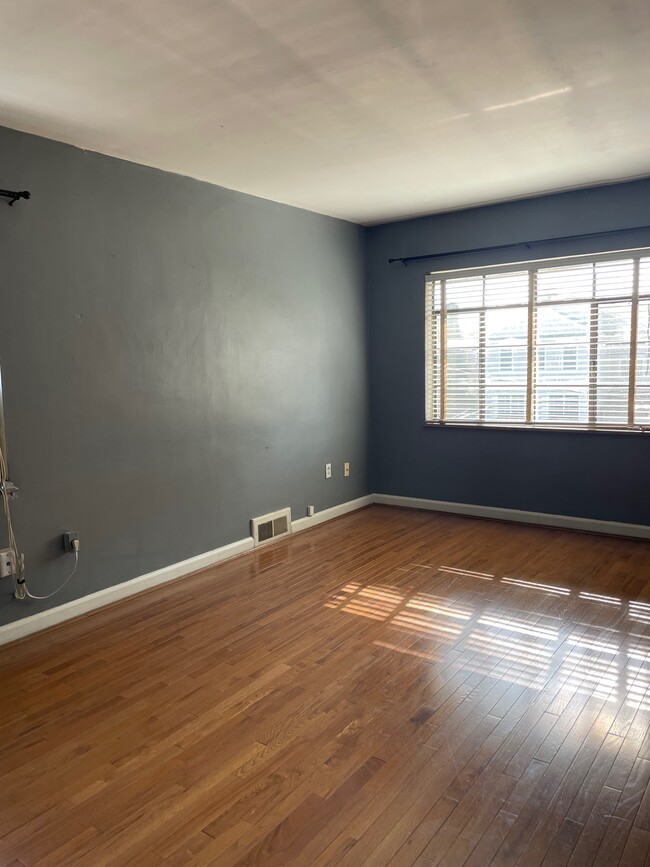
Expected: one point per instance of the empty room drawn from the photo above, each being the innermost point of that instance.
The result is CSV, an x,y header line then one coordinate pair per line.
x,y
325,433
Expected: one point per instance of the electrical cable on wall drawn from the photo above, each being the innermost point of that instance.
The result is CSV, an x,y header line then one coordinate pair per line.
x,y
17,561
21,590
31,595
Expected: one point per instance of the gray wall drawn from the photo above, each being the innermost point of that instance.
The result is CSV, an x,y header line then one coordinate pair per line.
x,y
177,358
593,475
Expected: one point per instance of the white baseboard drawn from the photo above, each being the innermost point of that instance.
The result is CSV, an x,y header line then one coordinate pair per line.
x,y
543,519
327,514
67,611
54,616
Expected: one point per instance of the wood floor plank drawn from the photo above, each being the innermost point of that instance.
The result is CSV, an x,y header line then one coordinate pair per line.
x,y
613,843
637,849
490,842
393,687
595,827
633,790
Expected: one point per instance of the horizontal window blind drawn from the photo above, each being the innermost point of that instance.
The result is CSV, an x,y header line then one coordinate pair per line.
x,y
553,343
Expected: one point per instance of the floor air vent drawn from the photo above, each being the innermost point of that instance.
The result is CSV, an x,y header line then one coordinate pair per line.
x,y
266,528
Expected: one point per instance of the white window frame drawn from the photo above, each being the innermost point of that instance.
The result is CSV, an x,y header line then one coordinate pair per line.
x,y
435,355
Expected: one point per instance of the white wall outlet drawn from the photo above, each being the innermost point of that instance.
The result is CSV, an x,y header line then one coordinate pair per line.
x,y
328,471
310,511
6,563
346,469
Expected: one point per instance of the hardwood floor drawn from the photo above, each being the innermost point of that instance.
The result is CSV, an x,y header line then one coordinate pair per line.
x,y
392,688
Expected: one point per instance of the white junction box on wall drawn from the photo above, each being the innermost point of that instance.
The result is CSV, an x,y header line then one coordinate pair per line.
x,y
6,563
266,528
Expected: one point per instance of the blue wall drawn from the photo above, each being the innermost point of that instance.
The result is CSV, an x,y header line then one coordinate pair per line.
x,y
585,474
177,358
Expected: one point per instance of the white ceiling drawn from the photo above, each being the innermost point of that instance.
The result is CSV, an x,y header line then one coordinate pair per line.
x,y
364,109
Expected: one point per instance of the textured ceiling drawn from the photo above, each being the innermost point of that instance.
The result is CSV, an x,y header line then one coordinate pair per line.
x,y
365,109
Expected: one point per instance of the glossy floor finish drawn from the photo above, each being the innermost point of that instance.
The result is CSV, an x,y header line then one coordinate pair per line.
x,y
392,688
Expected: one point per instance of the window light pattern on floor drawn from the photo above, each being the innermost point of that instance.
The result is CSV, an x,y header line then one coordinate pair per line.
x,y
564,644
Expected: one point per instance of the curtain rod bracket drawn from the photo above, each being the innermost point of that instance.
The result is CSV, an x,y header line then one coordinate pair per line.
x,y
14,195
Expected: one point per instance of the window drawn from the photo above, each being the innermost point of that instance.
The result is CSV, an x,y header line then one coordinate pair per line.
x,y
505,360
553,343
564,358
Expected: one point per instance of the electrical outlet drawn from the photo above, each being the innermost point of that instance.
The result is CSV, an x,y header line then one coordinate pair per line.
x,y
328,471
346,469
310,511
6,563
68,538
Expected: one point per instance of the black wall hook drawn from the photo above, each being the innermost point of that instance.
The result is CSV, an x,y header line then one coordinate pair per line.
x,y
14,195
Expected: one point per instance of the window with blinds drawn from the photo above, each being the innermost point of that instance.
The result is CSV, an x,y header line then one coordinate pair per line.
x,y
555,343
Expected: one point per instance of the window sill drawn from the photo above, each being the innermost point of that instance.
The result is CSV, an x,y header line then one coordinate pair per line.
x,y
640,431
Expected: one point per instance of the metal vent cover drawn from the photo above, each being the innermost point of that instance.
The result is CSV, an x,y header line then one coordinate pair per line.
x,y
266,528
